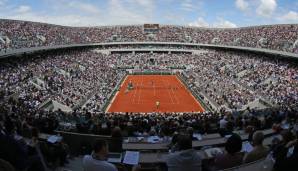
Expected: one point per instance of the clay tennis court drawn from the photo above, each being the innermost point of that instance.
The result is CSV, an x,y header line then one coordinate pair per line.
x,y
148,89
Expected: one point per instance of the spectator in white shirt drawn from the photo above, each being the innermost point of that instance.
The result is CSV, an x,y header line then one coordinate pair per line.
x,y
223,123
98,159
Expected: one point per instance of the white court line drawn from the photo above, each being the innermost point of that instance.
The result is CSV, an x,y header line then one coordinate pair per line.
x,y
175,96
140,88
150,102
117,93
154,90
190,94
123,81
134,93
172,92
112,101
168,93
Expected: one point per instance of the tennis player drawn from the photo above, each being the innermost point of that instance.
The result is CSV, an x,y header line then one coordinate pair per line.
x,y
157,104
130,85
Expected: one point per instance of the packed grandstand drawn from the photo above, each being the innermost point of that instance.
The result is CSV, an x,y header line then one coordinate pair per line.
x,y
246,79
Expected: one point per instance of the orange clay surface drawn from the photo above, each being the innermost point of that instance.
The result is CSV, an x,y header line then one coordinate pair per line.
x,y
172,95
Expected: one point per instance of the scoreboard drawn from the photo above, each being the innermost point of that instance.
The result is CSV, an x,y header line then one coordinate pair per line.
x,y
151,28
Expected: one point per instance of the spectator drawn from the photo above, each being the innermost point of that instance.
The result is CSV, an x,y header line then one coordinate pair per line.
x,y
233,157
223,126
185,158
189,131
115,143
259,151
223,123
98,159
286,152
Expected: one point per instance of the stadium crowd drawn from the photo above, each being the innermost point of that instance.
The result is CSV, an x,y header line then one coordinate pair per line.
x,y
87,78
20,126
21,34
69,78
244,78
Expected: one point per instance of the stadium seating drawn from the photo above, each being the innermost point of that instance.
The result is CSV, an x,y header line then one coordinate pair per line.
x,y
20,34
